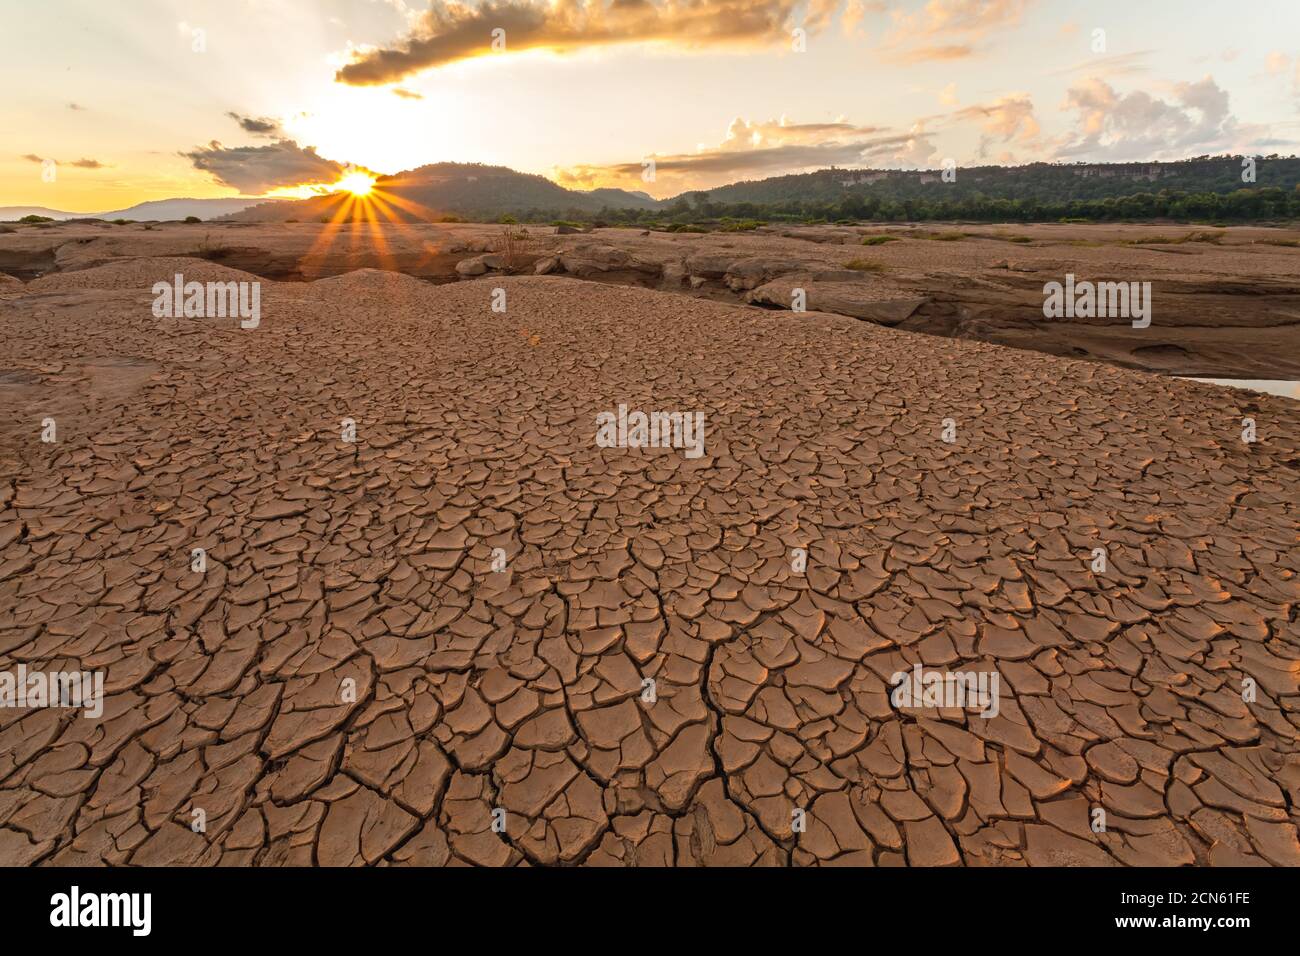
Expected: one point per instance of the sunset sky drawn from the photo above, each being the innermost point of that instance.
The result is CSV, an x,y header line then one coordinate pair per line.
x,y
150,99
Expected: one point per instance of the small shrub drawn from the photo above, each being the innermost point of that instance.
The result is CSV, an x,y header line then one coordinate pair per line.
x,y
865,265
34,219
209,250
192,219
878,240
946,236
511,246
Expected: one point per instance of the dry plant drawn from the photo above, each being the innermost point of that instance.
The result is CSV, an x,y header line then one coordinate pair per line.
x,y
211,250
512,246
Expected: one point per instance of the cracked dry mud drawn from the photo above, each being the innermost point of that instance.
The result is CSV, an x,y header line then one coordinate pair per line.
x,y
521,690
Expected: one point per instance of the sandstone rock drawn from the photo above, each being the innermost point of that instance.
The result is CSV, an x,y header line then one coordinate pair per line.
x,y
478,265
587,258
858,299
710,265
745,274
674,274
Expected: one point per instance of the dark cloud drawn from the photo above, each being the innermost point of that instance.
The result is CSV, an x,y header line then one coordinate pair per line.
x,y
762,149
450,31
254,170
258,125
78,163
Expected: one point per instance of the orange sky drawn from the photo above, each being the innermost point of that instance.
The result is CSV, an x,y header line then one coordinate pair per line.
x,y
154,99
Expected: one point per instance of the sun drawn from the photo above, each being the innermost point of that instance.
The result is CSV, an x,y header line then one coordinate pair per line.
x,y
356,182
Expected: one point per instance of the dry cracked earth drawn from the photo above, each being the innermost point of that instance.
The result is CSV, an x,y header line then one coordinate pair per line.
x,y
1226,302
350,682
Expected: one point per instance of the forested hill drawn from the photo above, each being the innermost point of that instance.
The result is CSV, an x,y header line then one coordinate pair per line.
x,y
1045,182
1210,189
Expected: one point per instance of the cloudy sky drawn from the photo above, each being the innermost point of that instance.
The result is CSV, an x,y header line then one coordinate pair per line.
x,y
151,99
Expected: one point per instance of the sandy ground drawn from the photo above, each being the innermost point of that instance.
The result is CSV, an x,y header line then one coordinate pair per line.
x,y
1226,302
653,678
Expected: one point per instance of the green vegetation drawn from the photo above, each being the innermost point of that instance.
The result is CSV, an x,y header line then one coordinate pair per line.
x,y
878,240
1153,241
34,219
194,219
1206,191
1256,204
865,265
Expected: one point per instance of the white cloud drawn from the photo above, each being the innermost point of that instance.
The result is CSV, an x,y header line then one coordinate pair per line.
x,y
1118,127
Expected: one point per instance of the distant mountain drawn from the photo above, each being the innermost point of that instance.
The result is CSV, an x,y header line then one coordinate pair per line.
x,y
157,209
477,192
14,213
1045,182
623,198
474,191
164,209
467,190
